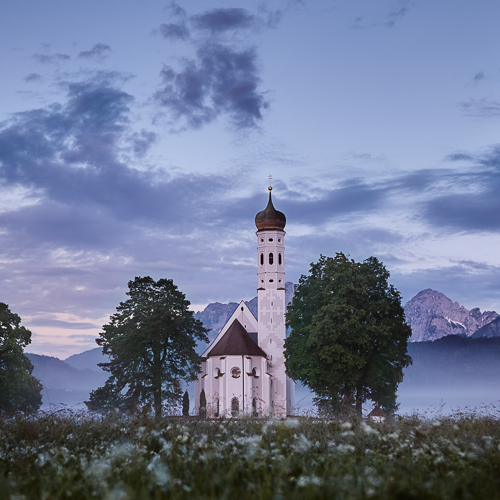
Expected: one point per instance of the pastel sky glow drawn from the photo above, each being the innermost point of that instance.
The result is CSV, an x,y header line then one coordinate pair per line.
x,y
136,139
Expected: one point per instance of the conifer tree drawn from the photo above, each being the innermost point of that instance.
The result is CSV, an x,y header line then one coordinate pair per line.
x,y
203,404
185,404
151,342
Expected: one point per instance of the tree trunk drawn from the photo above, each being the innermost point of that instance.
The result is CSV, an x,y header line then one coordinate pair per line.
x,y
157,380
359,400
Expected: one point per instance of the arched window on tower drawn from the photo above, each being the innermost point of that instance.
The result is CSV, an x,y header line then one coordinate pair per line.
x,y
279,259
235,406
271,258
261,259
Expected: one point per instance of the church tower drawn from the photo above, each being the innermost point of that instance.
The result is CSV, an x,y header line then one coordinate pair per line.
x,y
243,370
271,303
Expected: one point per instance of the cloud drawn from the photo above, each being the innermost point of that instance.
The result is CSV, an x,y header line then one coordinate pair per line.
x,y
223,19
478,76
98,51
398,13
32,77
62,324
484,108
223,76
174,31
471,202
51,58
219,81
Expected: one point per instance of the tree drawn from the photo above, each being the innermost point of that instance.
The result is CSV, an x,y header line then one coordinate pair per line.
x,y
19,389
151,342
203,404
185,404
349,335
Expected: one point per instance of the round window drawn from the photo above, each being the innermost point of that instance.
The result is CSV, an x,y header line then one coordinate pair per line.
x,y
235,372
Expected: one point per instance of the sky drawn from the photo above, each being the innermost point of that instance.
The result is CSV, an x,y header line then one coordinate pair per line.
x,y
136,139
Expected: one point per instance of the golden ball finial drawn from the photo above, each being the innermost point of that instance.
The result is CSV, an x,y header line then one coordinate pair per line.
x,y
270,188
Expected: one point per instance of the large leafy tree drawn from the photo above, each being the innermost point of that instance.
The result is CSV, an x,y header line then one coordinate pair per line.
x,y
19,389
349,336
151,342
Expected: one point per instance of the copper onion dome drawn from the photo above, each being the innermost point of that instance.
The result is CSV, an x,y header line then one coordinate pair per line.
x,y
270,218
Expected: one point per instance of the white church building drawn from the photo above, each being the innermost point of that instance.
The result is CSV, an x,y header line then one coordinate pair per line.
x,y
243,370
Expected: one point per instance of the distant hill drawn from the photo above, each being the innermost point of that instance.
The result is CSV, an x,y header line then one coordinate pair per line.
x,y
87,359
63,383
432,315
490,330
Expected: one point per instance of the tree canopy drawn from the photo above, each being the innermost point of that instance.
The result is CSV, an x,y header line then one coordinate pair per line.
x,y
151,342
19,389
349,336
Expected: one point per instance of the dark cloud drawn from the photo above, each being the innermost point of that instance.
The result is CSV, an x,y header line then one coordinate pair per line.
x,y
98,51
51,58
481,108
174,31
219,81
220,20
32,77
479,76
397,14
223,77
472,203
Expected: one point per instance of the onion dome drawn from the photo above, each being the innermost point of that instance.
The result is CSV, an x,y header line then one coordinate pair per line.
x,y
270,218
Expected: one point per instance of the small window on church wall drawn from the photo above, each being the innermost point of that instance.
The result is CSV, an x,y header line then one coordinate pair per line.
x,y
261,259
242,308
262,240
271,281
279,240
255,372
272,304
270,239
235,372
279,259
262,281
271,258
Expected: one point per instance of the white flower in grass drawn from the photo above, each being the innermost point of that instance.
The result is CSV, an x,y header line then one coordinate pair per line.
x,y
346,426
369,430
290,422
307,480
302,444
345,448
159,471
347,433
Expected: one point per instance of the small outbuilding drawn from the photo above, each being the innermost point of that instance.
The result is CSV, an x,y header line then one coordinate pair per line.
x,y
377,414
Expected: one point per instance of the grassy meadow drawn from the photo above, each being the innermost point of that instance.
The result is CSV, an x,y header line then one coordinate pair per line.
x,y
83,456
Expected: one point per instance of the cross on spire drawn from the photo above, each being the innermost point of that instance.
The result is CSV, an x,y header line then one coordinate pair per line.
x,y
270,177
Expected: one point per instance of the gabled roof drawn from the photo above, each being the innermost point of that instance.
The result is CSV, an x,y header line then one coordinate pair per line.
x,y
243,314
236,342
377,412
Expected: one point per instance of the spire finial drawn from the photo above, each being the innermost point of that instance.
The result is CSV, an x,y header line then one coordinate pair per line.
x,y
270,177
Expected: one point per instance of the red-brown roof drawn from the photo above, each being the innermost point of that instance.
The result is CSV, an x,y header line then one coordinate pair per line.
x,y
377,412
236,342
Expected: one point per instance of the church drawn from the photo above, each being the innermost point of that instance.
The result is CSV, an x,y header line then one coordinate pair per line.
x,y
243,370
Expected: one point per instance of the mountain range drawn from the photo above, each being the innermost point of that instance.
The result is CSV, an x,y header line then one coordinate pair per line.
x,y
433,317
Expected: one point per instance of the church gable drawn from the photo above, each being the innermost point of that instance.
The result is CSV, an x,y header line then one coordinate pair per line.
x,y
243,314
236,342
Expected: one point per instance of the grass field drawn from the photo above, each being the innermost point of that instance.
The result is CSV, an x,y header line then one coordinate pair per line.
x,y
76,456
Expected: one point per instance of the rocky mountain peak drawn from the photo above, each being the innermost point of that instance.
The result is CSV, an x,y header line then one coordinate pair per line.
x,y
432,315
